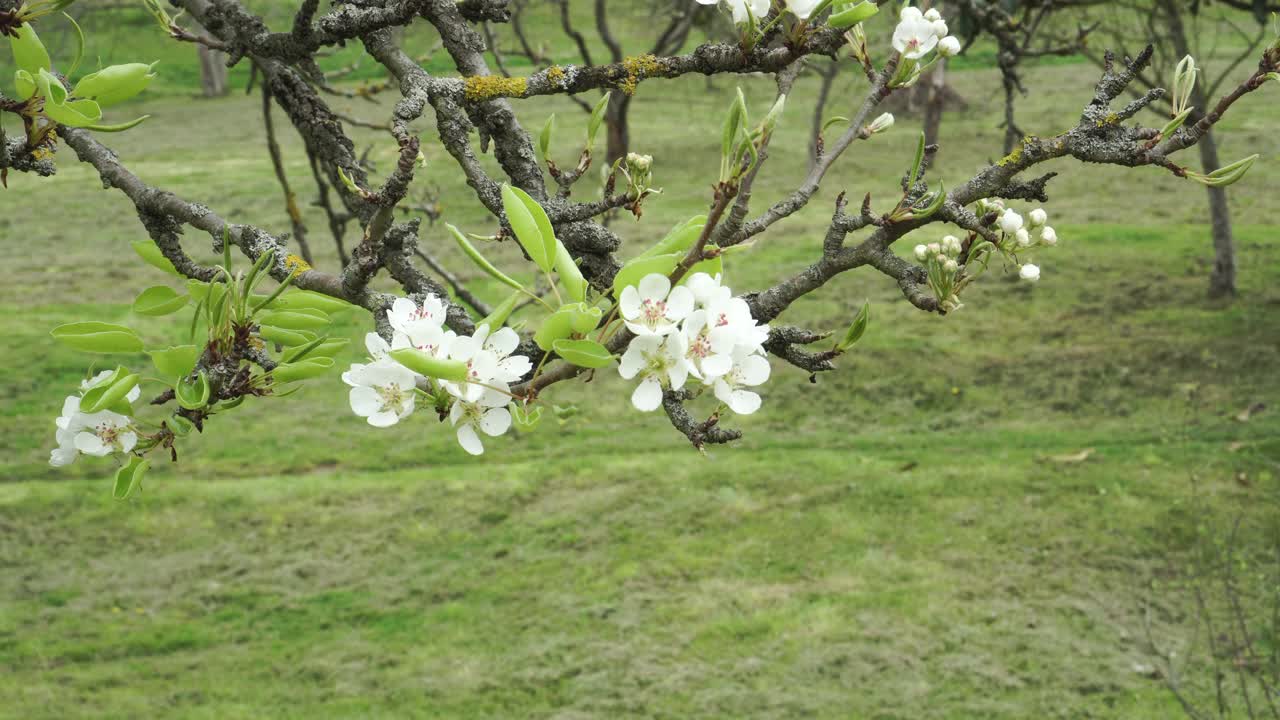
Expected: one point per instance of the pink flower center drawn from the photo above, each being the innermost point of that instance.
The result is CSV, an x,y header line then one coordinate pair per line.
x,y
700,347
653,312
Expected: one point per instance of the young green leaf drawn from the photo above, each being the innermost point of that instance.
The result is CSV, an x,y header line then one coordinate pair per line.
x,y
583,353
150,252
570,275
301,370
679,240
527,229
98,337
159,300
480,260
544,138
523,419
503,311
28,52
918,165
597,119
855,331
429,365
193,393
175,362
129,477
300,319
635,271
107,394
287,338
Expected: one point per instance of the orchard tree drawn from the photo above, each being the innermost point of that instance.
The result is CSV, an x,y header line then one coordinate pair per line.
x,y
666,320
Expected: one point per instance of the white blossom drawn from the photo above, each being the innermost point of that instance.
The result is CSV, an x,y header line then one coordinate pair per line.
x,y
880,124
739,8
1038,217
922,252
707,289
1022,237
802,8
1010,221
98,434
510,368
749,370
1049,236
1029,272
488,413
914,37
413,320
949,46
709,354
658,362
654,308
382,392
951,245
940,28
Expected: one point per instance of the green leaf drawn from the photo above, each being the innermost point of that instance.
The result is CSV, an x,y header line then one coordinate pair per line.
x,y
308,300
918,164
287,338
848,16
480,260
115,84
28,52
108,393
570,275
180,426
75,63
544,138
175,362
503,311
567,320
679,240
320,347
25,84
430,366
584,353
532,227
597,119
119,127
855,331
159,300
525,420
300,319
129,477
98,337
712,266
636,270
151,253
302,370
193,393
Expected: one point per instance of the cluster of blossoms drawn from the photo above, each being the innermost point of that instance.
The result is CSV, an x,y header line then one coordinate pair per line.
x,y
98,434
920,33
385,391
948,276
698,329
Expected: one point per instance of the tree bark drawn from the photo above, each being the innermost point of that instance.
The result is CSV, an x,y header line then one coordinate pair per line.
x,y
936,82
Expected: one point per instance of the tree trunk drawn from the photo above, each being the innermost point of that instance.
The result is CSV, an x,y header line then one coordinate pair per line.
x,y
1222,281
619,131
213,70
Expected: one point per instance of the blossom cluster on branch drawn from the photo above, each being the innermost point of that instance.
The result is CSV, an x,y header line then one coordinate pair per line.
x,y
665,318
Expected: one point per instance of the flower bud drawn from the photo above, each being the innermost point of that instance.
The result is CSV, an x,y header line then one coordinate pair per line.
x,y
880,124
1029,272
640,163
1038,217
952,266
949,46
932,14
934,248
922,252
1010,222
910,13
940,258
951,245
940,28
1048,236
1023,237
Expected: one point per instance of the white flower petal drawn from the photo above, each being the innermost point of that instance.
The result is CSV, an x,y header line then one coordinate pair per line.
x,y
365,401
743,402
469,440
753,370
90,444
679,303
648,395
496,421
383,418
629,303
654,287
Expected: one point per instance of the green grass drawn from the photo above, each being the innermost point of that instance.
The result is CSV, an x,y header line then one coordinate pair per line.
x,y
902,539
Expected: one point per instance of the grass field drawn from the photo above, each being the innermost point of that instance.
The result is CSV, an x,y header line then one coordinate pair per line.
x,y
913,536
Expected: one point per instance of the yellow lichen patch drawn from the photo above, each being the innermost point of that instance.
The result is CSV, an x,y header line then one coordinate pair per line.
x,y
488,87
1111,119
638,67
556,75
1012,157
295,263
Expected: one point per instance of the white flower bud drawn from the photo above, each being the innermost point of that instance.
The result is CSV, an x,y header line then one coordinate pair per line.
x,y
1038,217
940,258
940,28
952,266
1029,272
922,252
932,14
880,124
1010,221
934,248
948,46
1048,236
910,13
951,245
1023,237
